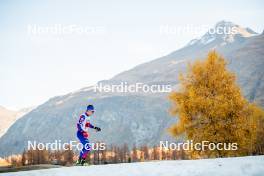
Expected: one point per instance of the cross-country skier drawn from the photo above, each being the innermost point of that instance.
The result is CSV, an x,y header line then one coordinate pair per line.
x,y
83,125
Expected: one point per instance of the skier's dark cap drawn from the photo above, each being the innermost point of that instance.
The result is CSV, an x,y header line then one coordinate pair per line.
x,y
90,108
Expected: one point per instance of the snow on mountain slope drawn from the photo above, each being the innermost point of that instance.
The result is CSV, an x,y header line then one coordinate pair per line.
x,y
240,166
223,32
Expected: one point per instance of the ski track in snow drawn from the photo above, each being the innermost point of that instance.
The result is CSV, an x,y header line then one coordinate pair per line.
x,y
240,166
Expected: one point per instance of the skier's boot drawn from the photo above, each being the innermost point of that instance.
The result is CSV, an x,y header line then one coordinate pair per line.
x,y
81,162
84,163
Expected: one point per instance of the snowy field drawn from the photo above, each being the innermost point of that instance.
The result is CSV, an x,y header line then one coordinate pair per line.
x,y
253,165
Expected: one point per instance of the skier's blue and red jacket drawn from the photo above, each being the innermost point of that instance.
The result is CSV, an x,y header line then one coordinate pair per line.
x,y
84,124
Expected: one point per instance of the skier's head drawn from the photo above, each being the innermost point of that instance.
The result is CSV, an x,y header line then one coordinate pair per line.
x,y
90,109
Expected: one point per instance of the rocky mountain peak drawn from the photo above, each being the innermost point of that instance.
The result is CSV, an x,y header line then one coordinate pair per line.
x,y
222,33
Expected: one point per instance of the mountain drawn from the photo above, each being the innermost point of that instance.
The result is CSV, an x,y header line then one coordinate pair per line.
x,y
141,118
223,33
8,117
165,68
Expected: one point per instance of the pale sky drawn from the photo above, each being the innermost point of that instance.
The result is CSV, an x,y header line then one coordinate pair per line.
x,y
36,67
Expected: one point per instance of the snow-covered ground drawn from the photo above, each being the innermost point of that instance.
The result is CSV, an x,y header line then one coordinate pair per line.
x,y
253,165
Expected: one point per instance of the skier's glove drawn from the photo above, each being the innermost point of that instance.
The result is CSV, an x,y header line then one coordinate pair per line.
x,y
97,128
85,134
